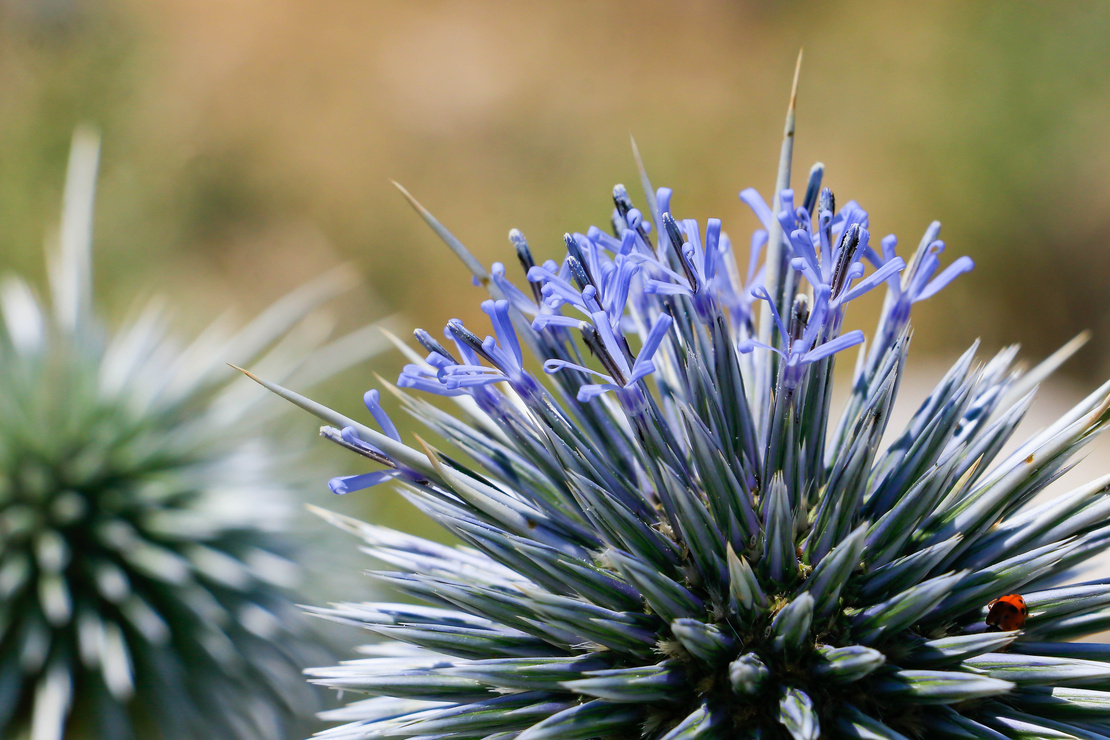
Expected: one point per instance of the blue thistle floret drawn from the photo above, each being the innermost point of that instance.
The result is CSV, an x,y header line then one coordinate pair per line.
x,y
666,537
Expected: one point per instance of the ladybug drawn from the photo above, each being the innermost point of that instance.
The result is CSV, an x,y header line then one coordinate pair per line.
x,y
1006,613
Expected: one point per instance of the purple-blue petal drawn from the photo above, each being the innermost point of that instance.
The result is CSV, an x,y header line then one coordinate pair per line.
x,y
350,483
372,399
833,346
950,273
753,200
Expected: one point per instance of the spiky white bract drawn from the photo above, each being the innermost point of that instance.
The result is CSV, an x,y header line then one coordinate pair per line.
x,y
144,559
673,538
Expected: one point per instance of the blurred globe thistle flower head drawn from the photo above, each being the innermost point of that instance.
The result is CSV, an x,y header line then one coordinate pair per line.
x,y
144,564
668,532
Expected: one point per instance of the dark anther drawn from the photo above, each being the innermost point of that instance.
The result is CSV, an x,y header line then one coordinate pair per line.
x,y
428,342
624,204
848,245
576,254
334,435
524,255
677,239
621,200
826,202
799,317
469,338
578,273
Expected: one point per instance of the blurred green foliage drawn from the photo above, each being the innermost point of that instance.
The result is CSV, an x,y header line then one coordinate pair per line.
x,y
250,144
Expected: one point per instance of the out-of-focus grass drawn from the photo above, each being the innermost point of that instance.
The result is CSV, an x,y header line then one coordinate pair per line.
x,y
249,144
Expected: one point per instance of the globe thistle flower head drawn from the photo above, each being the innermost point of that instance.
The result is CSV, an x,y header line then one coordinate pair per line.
x,y
144,562
669,531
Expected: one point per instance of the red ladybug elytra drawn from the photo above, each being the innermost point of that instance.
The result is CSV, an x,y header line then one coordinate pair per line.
x,y
1006,613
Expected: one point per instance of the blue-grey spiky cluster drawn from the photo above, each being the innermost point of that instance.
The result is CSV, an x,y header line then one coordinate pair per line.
x,y
668,533
144,563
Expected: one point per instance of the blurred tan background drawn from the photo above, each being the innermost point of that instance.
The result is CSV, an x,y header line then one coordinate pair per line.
x,y
249,144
